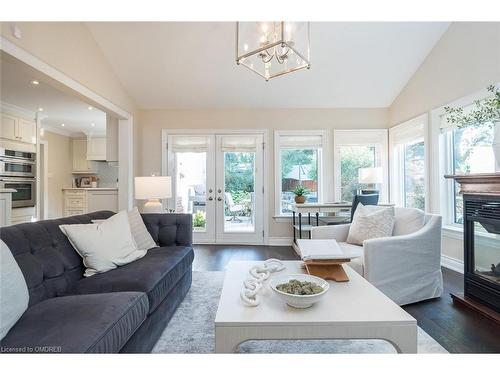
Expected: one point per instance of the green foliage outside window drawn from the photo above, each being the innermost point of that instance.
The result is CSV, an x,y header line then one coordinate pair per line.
x,y
351,159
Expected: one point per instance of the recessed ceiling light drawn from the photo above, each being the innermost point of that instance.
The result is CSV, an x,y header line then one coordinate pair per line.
x,y
40,109
92,124
35,82
90,108
62,124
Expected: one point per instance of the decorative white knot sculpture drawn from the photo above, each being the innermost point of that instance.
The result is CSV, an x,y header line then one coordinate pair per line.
x,y
260,273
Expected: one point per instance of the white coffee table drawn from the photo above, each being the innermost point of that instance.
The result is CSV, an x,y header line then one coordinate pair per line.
x,y
349,310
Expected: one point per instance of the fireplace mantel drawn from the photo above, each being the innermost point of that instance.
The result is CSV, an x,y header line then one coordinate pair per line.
x,y
480,183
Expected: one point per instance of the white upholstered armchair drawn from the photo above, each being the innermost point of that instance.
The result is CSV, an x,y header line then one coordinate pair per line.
x,y
407,266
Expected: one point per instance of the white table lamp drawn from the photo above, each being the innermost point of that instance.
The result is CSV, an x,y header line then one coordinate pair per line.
x,y
153,188
370,176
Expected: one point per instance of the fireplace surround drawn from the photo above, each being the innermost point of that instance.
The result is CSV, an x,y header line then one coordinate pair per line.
x,y
481,199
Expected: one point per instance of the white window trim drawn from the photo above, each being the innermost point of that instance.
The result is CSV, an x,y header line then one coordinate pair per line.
x,y
324,192
363,137
396,192
440,201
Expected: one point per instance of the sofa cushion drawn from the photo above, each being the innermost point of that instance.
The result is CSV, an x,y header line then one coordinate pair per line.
x,y
357,264
94,323
50,265
154,274
407,220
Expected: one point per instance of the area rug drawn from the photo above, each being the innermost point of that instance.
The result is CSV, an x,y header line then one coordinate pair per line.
x,y
191,329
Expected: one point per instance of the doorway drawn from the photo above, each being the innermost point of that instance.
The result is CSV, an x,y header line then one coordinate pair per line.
x,y
219,179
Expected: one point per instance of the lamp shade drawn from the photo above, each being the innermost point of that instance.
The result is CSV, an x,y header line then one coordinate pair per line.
x,y
370,175
153,187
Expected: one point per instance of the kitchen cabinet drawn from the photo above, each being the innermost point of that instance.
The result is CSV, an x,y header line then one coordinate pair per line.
x,y
18,129
26,131
80,162
82,201
9,126
6,207
96,148
23,215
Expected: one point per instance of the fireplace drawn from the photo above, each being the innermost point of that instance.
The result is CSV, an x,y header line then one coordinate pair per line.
x,y
481,197
482,249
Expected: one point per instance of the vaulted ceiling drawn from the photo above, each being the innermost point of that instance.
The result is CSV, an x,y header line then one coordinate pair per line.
x,y
192,64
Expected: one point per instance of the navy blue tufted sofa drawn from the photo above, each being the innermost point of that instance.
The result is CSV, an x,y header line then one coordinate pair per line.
x,y
122,310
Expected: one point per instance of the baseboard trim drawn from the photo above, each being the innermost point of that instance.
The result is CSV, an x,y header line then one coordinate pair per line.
x,y
452,263
280,241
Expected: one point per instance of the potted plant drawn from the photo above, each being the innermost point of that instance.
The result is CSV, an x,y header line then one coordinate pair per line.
x,y
487,112
300,194
199,220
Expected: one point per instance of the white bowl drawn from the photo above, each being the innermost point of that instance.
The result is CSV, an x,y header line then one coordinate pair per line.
x,y
295,300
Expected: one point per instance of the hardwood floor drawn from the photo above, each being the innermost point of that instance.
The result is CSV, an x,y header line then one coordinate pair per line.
x,y
457,329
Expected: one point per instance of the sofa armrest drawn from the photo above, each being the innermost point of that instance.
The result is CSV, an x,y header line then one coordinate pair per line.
x,y
170,229
407,261
331,232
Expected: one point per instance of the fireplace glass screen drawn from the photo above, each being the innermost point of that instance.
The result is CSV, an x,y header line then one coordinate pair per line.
x,y
487,250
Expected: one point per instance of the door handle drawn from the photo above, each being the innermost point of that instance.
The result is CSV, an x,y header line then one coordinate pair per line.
x,y
210,190
210,198
219,191
219,199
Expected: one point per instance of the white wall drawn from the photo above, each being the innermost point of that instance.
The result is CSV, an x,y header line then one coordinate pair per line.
x,y
463,62
153,121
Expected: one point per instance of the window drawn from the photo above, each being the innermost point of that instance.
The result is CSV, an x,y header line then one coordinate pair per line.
x,y
356,149
471,152
408,163
414,175
464,150
299,162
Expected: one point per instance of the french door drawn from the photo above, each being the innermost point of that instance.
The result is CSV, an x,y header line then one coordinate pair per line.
x,y
218,178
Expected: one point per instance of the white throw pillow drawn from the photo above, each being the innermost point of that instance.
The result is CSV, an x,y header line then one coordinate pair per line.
x,y
407,221
14,295
140,233
104,246
368,223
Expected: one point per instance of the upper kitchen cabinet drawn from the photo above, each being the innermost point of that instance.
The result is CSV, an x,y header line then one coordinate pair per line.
x,y
80,162
18,129
96,148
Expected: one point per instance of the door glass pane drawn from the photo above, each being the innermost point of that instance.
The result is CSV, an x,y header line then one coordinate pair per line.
x,y
299,167
239,186
190,186
414,169
351,159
